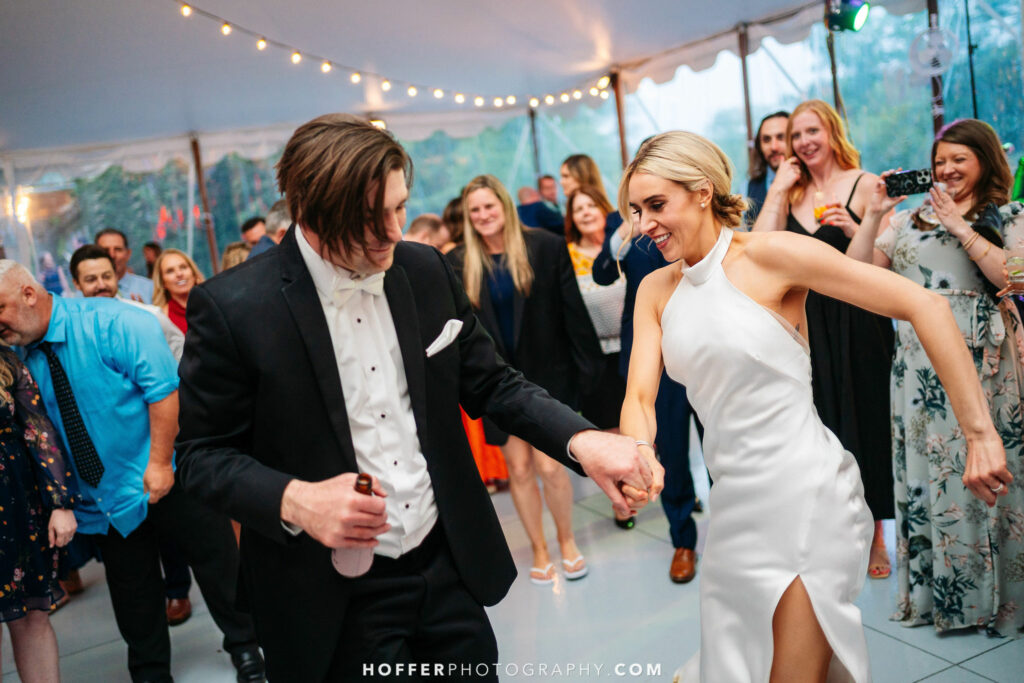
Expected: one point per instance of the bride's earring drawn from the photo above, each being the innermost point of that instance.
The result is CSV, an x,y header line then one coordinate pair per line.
x,y
703,205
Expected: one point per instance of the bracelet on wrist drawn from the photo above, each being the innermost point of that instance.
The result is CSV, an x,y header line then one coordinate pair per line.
x,y
982,254
971,240
639,443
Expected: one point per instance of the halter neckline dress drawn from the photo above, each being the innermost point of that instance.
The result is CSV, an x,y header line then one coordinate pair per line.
x,y
787,499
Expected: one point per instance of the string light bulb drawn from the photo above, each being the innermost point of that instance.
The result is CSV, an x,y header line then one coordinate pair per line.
x,y
378,123
577,94
603,82
564,97
438,93
296,57
186,11
510,100
534,102
459,98
355,77
549,99
498,102
604,94
261,44
478,101
412,91
594,92
225,28
326,67
385,85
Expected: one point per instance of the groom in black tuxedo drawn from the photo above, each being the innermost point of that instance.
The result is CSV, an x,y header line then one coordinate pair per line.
x,y
346,350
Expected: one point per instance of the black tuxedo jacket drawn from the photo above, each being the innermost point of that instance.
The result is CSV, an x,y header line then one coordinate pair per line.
x,y
555,342
262,403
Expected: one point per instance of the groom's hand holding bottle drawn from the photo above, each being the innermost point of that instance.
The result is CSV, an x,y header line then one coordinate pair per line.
x,y
334,513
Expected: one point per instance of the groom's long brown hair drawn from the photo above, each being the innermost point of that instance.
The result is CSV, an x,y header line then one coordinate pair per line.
x,y
325,172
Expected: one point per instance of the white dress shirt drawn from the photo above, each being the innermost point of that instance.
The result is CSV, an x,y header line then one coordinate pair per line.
x,y
377,401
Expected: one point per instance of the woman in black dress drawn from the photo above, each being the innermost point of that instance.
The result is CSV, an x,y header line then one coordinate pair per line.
x,y
36,521
821,191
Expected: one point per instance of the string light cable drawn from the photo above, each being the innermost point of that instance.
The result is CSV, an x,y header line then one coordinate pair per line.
x,y
596,89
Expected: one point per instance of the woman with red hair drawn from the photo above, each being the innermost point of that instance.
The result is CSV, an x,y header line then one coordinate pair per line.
x,y
821,191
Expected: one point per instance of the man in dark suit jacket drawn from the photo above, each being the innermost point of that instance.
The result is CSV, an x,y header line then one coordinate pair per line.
x,y
768,151
344,350
638,258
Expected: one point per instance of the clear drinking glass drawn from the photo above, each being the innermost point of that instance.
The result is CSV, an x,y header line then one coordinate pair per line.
x,y
1013,245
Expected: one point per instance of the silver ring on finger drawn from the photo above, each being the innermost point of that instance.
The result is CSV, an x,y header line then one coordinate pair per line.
x,y
998,488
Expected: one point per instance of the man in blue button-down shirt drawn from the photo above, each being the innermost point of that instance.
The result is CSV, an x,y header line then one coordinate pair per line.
x,y
124,381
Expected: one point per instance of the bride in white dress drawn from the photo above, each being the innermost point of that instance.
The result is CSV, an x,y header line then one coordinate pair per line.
x,y
787,545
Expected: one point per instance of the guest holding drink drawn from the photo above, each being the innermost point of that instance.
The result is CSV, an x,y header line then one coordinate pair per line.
x,y
957,561
851,349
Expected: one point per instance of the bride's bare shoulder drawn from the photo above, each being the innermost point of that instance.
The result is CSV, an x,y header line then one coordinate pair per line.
x,y
773,248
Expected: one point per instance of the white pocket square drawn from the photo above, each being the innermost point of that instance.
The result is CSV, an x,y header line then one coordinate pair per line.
x,y
448,334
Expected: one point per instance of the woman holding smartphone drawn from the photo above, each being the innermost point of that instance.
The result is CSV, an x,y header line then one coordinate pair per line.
x,y
955,563
820,191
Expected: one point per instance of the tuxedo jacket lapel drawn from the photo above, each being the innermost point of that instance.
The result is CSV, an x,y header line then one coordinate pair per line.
x,y
300,294
398,291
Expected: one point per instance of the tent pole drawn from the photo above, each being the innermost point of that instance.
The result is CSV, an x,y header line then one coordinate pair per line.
x,y
620,112
741,33
836,97
211,239
533,139
938,105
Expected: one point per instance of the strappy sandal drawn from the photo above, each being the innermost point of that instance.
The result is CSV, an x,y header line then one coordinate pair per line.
x,y
876,569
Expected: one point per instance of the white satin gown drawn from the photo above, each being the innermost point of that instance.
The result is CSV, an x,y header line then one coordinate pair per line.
x,y
787,499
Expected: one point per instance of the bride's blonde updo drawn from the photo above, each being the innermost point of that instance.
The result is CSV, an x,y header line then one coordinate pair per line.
x,y
691,161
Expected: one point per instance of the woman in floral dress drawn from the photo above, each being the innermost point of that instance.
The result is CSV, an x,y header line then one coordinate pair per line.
x,y
36,520
959,563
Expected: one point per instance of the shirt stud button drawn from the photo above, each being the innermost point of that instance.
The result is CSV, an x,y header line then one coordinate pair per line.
x,y
396,462
406,506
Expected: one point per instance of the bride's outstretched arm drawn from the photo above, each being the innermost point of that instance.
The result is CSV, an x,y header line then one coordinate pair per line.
x,y
637,419
806,262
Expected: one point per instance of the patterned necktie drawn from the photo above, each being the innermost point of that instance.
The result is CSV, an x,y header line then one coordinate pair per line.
x,y
87,461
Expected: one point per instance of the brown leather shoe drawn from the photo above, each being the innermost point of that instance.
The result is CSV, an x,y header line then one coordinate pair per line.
x,y
178,611
684,566
73,584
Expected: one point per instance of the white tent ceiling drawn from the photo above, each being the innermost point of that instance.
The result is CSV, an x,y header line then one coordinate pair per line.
x,y
81,76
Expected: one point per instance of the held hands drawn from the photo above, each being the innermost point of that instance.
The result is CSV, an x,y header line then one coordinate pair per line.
x,y
986,475
629,477
61,528
157,481
334,513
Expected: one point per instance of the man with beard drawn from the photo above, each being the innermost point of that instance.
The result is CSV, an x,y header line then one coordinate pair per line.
x,y
768,152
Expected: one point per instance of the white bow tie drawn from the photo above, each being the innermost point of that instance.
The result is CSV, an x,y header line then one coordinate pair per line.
x,y
345,287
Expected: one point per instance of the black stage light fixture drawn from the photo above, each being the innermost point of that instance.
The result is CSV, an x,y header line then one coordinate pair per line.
x,y
846,15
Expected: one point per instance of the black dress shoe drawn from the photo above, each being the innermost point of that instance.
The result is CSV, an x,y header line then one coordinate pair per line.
x,y
249,664
626,523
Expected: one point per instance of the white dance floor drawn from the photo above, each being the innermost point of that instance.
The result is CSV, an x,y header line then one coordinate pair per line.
x,y
624,620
